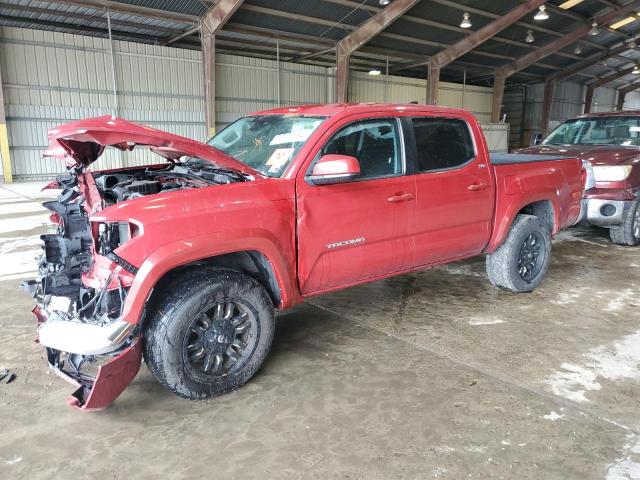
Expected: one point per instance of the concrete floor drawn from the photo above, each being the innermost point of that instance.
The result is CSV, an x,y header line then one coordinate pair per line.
x,y
434,374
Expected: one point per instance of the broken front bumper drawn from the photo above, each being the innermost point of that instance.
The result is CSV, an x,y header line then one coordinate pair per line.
x,y
97,393
84,338
73,345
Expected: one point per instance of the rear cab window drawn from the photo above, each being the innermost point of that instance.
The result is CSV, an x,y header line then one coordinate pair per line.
x,y
442,143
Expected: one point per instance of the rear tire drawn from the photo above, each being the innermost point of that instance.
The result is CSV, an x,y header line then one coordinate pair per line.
x,y
209,333
522,261
629,232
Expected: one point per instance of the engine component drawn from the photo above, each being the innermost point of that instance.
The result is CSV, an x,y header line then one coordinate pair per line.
x,y
194,173
66,253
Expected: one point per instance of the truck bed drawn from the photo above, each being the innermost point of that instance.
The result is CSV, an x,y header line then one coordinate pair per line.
x,y
514,158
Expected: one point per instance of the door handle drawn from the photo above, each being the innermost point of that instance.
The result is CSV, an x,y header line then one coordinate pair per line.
x,y
477,186
401,197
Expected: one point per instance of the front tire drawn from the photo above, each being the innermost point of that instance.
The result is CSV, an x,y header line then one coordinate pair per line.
x,y
522,261
629,232
209,334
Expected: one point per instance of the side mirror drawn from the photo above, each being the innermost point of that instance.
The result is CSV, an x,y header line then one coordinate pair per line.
x,y
332,169
536,139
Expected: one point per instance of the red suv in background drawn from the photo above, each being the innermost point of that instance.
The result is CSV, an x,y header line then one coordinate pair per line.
x,y
610,141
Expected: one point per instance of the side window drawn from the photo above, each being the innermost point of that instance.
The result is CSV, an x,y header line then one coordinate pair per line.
x,y
375,143
442,143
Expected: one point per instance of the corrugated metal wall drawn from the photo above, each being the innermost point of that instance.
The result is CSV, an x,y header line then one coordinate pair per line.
x,y
568,102
513,108
245,85
632,101
604,100
365,88
51,78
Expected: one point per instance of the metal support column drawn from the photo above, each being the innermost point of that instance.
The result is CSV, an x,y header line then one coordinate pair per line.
x,y
210,24
547,103
209,64
4,140
498,94
342,74
433,78
588,98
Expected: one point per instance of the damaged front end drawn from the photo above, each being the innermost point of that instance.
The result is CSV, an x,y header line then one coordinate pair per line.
x,y
80,293
88,266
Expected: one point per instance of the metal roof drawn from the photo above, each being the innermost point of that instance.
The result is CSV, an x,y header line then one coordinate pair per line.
x,y
307,29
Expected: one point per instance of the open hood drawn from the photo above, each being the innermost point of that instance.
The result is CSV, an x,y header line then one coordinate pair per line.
x,y
81,143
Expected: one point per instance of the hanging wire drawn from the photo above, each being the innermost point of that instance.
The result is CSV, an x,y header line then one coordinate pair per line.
x,y
344,18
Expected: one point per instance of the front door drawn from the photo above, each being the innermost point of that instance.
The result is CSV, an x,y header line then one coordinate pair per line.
x,y
353,231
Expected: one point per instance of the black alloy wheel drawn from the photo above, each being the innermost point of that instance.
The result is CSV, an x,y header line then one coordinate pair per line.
x,y
529,263
220,339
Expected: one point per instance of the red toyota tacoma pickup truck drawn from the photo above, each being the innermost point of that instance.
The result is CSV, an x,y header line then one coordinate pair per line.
x,y
610,141
185,262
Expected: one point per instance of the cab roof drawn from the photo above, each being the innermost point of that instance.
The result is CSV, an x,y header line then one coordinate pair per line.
x,y
334,109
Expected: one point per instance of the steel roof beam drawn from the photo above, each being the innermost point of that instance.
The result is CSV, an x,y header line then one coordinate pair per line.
x,y
588,62
210,24
86,18
359,37
130,9
471,41
562,42
393,36
440,25
523,62
532,26
87,29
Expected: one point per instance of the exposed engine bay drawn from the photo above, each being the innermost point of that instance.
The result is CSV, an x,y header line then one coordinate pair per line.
x,y
68,253
116,187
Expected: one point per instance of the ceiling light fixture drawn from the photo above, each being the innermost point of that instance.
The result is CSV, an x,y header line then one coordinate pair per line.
x,y
384,3
578,49
529,38
374,71
636,70
570,3
623,22
466,23
542,13
594,29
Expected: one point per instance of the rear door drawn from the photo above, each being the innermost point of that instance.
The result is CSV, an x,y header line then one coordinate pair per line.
x,y
455,192
354,231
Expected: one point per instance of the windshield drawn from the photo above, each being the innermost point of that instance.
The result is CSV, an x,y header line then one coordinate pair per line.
x,y
267,143
597,131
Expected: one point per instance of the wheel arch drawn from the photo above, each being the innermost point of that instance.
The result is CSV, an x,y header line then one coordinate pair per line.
x,y
250,262
258,256
544,208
